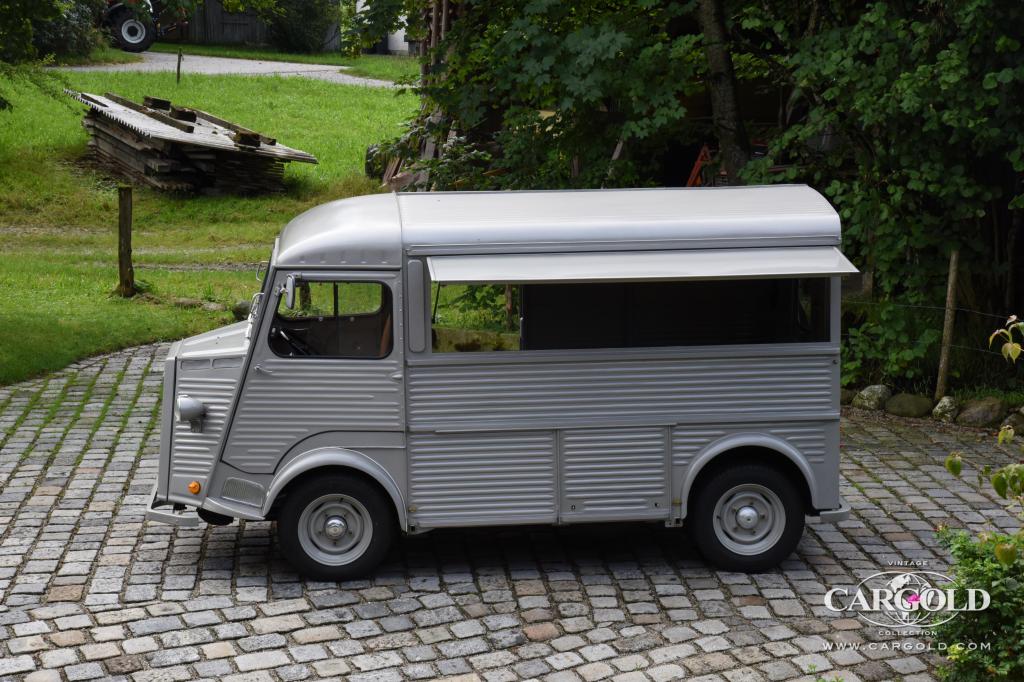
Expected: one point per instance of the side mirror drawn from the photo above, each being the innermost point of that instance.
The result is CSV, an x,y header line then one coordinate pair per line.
x,y
289,292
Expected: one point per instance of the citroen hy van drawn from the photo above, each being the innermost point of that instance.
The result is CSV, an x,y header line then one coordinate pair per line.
x,y
429,360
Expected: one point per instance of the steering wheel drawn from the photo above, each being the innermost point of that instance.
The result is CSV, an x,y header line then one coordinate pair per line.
x,y
297,346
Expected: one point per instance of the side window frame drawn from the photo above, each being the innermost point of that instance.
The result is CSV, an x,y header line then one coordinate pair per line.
x,y
830,302
387,299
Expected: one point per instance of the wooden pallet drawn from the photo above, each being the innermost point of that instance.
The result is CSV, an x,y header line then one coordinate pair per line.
x,y
182,149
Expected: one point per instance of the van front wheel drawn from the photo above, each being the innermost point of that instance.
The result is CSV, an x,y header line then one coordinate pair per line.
x,y
747,518
335,527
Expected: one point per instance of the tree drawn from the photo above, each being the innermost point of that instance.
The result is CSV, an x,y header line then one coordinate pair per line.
x,y
907,116
911,126
734,148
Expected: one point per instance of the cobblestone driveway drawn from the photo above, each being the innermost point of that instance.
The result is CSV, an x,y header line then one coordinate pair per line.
x,y
89,590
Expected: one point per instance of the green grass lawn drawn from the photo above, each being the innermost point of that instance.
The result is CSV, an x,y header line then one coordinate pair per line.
x,y
383,67
104,54
58,215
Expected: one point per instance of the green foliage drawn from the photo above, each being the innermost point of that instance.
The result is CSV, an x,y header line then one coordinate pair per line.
x,y
887,342
478,306
912,130
377,19
70,34
302,25
905,115
17,51
542,93
1010,346
16,22
991,562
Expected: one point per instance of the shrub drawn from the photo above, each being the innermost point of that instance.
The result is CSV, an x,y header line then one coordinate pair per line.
x,y
302,25
72,33
991,562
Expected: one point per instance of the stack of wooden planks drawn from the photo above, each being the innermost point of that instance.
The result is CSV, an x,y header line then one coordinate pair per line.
x,y
183,149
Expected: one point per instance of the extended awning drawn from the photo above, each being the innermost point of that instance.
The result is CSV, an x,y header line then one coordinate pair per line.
x,y
638,266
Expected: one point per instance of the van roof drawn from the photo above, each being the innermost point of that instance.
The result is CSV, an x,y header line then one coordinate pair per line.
x,y
375,230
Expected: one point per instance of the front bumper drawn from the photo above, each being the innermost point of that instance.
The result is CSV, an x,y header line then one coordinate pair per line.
x,y
832,515
165,512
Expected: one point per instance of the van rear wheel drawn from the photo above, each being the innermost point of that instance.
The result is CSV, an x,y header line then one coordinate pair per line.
x,y
335,527
747,518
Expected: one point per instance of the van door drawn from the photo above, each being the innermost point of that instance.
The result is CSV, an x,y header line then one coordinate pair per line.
x,y
331,363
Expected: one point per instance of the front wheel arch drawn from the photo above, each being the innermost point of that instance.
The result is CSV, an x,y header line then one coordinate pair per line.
x,y
334,460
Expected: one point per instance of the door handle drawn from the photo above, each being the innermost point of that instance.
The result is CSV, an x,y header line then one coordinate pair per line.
x,y
259,369
397,376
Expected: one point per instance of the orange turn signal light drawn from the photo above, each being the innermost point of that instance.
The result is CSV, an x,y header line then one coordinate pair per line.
x,y
194,487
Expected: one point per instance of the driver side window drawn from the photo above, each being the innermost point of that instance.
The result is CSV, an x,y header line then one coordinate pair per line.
x,y
334,319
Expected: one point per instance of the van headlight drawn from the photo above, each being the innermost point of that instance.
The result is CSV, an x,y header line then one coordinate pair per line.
x,y
188,409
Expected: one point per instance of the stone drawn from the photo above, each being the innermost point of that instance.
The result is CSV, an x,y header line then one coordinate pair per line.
x,y
123,665
214,307
1016,422
16,664
79,453
872,397
64,593
846,395
946,409
240,310
539,632
44,676
187,303
982,412
909,405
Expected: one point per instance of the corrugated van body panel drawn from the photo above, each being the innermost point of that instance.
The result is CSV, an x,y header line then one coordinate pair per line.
x,y
193,454
609,473
652,391
817,442
810,438
470,479
624,430
306,396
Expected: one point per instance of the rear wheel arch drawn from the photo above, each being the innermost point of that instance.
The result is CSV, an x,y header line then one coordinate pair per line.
x,y
742,449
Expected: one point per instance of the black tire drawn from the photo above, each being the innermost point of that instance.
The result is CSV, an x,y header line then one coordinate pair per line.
x,y
132,32
747,482
303,547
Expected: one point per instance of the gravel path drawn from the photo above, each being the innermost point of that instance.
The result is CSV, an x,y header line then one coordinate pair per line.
x,y
89,589
159,61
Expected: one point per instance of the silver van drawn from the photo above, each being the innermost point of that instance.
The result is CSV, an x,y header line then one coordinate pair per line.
x,y
431,360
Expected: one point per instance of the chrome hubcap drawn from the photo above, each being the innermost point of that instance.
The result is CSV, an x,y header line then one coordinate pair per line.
x,y
746,517
335,529
749,519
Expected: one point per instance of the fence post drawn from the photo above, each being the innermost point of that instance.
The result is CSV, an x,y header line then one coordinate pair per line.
x,y
947,325
125,271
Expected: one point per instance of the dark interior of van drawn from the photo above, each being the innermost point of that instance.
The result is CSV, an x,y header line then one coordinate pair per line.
x,y
323,324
